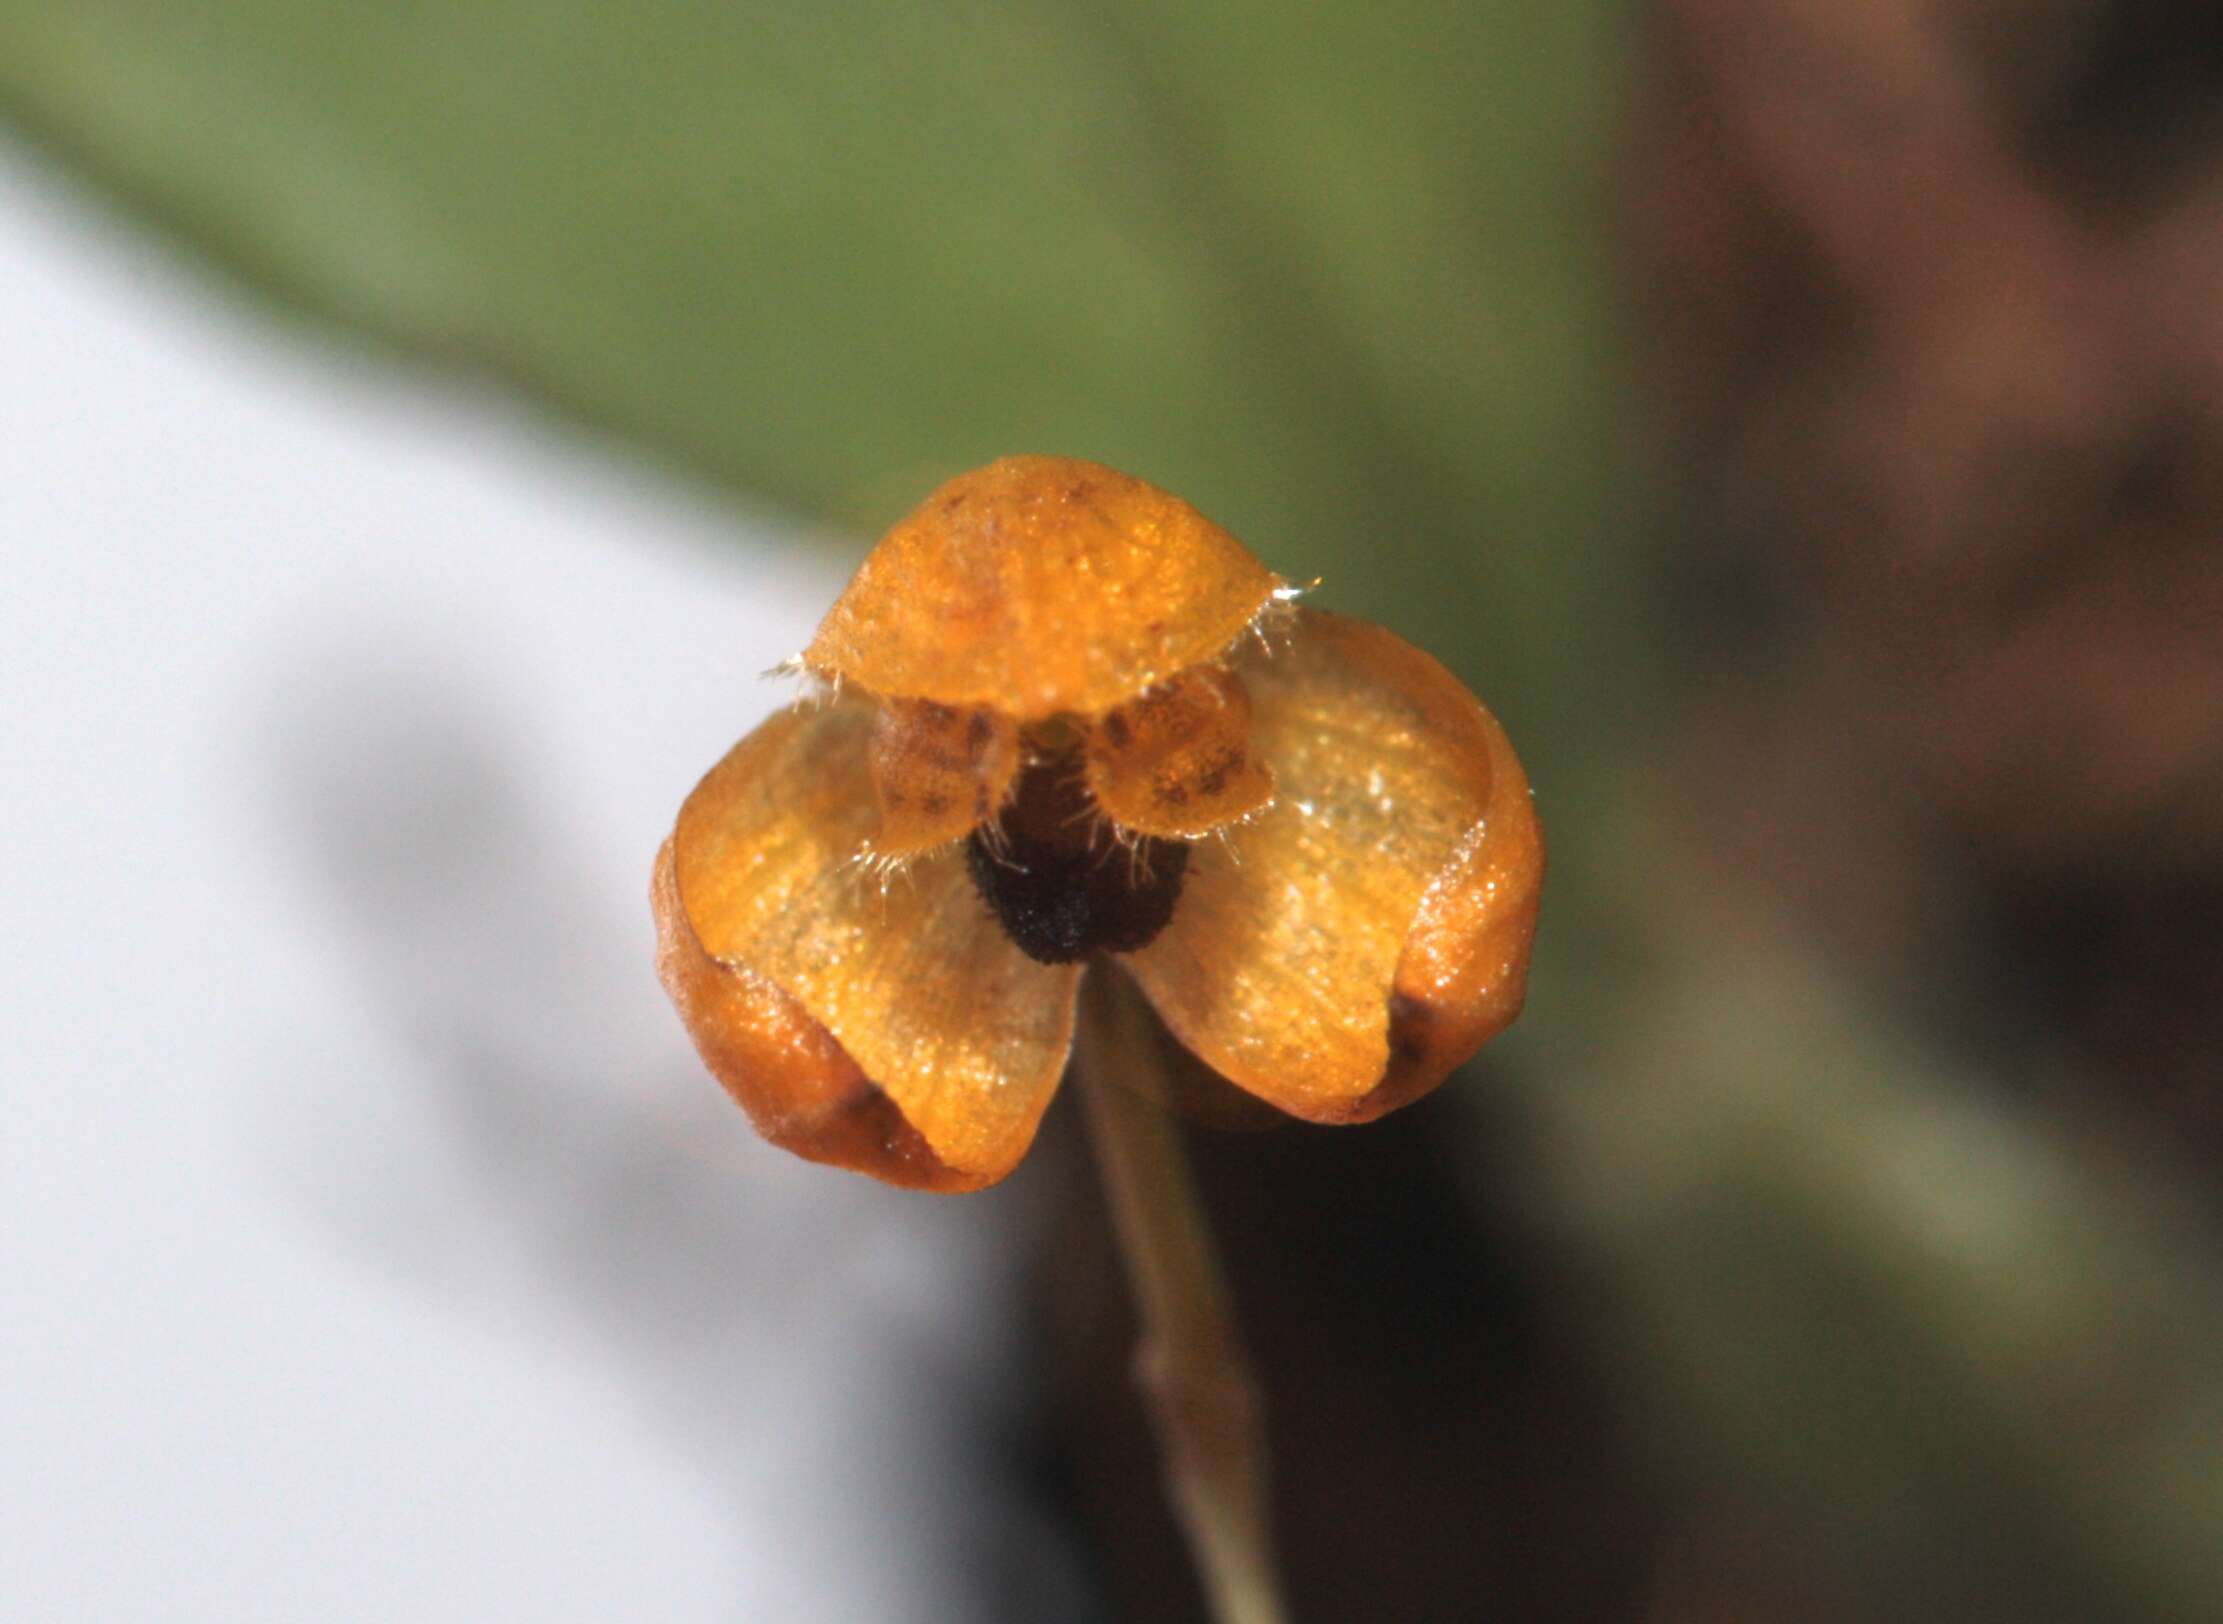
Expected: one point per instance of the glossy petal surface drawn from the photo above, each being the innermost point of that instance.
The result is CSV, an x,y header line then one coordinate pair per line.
x,y
1341,953
915,981
799,1086
1037,585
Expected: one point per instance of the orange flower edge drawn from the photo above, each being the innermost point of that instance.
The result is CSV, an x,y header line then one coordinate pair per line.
x,y
1351,946
800,1087
1316,853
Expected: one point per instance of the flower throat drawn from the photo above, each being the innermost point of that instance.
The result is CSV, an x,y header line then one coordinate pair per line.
x,y
1059,879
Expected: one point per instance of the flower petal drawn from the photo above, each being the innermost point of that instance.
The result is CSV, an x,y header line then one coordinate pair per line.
x,y
938,773
908,974
799,1086
1037,585
1175,761
1340,954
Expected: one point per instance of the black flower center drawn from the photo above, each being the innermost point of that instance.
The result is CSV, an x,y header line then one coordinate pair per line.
x,y
1060,881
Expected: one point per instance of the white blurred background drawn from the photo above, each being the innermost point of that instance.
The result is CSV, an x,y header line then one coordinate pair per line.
x,y
374,1247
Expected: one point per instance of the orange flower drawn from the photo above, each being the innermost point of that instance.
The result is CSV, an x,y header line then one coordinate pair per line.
x,y
1068,719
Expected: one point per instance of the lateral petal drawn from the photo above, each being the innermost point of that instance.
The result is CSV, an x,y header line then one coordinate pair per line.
x,y
1340,954
938,772
907,972
1175,761
801,1088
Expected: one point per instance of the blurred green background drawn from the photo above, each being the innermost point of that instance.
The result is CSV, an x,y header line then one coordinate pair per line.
x,y
1802,431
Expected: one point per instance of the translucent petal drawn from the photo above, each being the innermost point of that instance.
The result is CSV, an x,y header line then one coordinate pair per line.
x,y
1037,585
800,1087
1341,953
906,971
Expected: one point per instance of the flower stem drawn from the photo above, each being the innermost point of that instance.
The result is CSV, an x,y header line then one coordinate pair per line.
x,y
1190,1363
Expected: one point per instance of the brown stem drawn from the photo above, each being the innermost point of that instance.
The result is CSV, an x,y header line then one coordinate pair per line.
x,y
1191,1364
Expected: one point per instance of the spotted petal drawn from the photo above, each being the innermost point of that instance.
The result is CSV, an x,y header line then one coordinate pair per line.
x,y
1342,952
878,1021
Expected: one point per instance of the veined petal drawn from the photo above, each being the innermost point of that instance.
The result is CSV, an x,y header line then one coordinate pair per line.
x,y
1342,952
906,972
